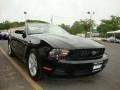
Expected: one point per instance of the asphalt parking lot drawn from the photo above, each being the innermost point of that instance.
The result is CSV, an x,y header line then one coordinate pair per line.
x,y
108,79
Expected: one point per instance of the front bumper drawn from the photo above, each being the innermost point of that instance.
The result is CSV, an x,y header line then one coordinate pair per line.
x,y
77,68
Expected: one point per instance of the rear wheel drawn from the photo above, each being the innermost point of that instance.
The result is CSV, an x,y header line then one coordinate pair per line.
x,y
34,66
10,51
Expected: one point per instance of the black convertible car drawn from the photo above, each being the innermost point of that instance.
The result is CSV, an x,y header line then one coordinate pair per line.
x,y
49,49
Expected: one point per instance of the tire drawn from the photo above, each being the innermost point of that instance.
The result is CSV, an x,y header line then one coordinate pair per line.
x,y
10,51
34,65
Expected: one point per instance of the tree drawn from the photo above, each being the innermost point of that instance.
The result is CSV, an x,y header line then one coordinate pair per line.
x,y
1,26
109,25
82,26
37,21
7,25
88,25
14,24
77,27
66,27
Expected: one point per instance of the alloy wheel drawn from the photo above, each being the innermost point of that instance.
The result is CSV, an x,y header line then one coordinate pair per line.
x,y
32,63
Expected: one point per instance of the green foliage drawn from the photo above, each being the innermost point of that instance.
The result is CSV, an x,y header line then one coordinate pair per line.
x,y
109,25
7,25
82,26
76,27
2,26
66,27
37,21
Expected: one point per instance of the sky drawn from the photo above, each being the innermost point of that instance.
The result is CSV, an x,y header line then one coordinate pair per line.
x,y
62,11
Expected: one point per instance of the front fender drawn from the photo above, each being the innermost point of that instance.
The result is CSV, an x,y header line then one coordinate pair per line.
x,y
42,48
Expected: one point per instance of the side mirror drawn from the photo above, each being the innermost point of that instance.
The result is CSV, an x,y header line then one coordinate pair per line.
x,y
19,31
24,34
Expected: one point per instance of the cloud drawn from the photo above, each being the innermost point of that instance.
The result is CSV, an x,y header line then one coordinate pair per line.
x,y
63,11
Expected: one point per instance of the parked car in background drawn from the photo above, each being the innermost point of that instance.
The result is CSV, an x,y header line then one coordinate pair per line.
x,y
4,35
0,35
49,49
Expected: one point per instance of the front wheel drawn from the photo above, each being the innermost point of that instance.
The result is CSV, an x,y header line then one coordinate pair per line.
x,y
34,65
10,51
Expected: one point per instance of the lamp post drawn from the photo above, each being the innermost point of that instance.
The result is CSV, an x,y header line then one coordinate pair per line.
x,y
91,14
25,13
51,19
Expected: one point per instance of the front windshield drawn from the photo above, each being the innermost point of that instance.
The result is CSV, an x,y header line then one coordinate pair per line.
x,y
45,28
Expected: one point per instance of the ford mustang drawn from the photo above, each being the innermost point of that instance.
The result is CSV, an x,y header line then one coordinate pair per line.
x,y
50,50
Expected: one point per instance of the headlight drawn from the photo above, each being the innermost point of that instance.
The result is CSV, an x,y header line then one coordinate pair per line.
x,y
58,53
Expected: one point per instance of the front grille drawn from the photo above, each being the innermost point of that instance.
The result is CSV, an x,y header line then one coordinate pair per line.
x,y
85,54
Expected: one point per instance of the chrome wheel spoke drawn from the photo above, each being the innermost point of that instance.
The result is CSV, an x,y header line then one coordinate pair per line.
x,y
32,64
9,49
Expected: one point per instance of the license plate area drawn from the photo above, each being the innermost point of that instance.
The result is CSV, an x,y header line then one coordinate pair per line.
x,y
97,66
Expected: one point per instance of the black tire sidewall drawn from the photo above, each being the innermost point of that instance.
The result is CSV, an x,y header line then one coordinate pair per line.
x,y
39,74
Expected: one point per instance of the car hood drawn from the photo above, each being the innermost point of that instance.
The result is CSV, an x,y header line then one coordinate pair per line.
x,y
68,41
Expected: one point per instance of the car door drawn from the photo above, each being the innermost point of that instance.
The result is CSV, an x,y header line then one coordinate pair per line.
x,y
20,44
14,44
